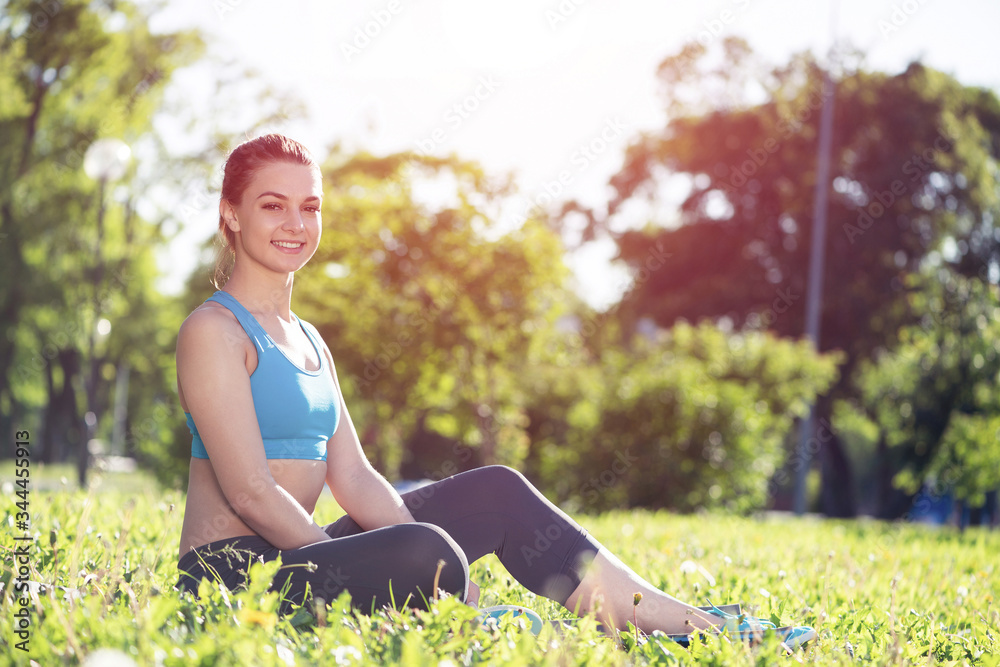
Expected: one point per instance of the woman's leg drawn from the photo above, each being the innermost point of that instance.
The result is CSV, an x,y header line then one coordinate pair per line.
x,y
398,565
392,565
496,510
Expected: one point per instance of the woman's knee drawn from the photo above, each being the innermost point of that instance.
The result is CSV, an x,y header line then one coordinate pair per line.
x,y
431,550
501,480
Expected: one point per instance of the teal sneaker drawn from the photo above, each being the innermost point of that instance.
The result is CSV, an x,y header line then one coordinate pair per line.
x,y
794,637
738,624
750,629
490,616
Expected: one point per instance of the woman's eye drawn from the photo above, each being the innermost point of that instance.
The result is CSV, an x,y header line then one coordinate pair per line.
x,y
272,206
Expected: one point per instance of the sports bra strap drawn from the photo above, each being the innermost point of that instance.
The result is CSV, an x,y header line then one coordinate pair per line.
x,y
249,323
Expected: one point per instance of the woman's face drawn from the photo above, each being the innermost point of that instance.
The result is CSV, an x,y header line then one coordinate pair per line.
x,y
278,223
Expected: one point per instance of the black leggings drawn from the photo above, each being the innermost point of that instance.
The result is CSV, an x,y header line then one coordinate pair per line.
x,y
459,520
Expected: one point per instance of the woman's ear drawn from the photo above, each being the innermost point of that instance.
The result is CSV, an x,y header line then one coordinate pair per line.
x,y
228,214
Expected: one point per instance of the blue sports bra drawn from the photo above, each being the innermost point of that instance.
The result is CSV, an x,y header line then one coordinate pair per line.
x,y
297,410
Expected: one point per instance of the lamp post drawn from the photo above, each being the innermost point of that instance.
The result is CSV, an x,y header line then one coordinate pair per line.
x,y
817,259
105,160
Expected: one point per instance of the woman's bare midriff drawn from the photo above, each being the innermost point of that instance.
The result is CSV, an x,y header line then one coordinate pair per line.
x,y
209,517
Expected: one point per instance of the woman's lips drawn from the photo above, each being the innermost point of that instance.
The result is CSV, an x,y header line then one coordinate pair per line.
x,y
288,246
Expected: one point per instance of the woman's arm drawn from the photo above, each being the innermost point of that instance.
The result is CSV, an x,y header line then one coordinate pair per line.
x,y
211,370
358,488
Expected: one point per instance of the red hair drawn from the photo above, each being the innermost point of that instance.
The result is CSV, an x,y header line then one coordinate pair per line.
x,y
242,164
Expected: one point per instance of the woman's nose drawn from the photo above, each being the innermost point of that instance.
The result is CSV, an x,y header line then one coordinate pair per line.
x,y
293,222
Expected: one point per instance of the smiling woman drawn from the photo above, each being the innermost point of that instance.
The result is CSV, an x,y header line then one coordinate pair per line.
x,y
291,200
269,427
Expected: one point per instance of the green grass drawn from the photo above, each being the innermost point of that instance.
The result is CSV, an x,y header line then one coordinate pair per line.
x,y
876,593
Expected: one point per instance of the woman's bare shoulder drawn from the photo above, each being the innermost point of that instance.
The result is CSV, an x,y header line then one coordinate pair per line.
x,y
213,326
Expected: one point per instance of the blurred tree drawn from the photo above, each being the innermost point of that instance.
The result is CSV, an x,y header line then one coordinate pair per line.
x,y
428,307
934,396
914,165
691,418
74,72
458,345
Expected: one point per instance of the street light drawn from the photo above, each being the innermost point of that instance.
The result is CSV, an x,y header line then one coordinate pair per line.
x,y
105,160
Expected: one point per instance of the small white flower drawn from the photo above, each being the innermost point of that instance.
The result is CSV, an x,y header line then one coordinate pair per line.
x,y
108,657
963,592
688,567
285,654
765,593
343,655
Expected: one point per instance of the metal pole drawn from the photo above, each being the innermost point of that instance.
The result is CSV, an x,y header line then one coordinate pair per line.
x,y
90,419
814,296
121,410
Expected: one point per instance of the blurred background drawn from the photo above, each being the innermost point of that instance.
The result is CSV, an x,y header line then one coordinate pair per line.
x,y
737,255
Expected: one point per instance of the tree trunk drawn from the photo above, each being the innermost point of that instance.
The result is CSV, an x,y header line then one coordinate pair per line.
x,y
837,494
47,440
890,502
66,432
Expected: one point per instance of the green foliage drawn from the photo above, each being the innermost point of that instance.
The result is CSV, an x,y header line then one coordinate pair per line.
x,y
967,461
876,594
694,419
74,252
429,310
934,396
913,180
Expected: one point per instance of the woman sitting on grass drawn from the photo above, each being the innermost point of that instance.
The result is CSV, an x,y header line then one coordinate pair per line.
x,y
270,427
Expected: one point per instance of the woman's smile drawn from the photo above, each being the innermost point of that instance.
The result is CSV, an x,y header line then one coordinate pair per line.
x,y
289,246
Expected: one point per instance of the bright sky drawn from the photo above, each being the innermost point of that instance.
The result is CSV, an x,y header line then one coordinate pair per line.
x,y
536,81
